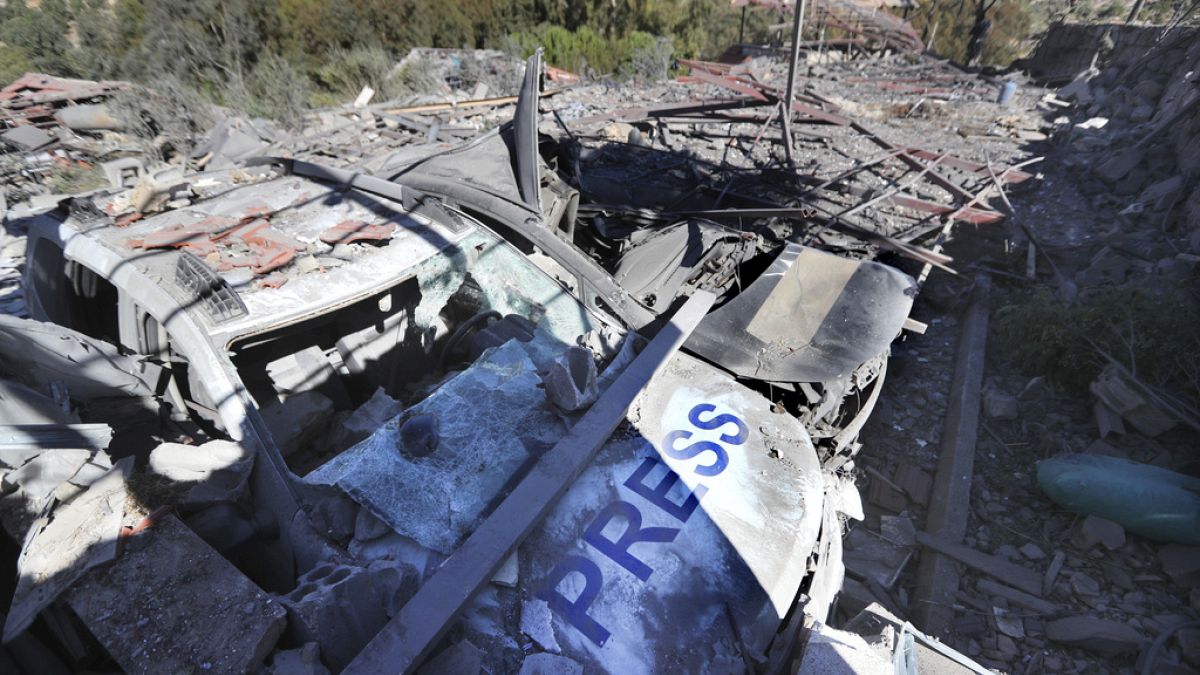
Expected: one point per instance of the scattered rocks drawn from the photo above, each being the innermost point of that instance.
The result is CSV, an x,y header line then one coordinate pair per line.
x,y
1122,395
1084,585
1032,551
1000,406
1096,530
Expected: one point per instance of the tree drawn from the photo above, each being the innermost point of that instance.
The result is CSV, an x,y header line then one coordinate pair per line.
x,y
979,31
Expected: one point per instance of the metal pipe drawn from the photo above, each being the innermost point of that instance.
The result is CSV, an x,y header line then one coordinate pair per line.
x,y
797,28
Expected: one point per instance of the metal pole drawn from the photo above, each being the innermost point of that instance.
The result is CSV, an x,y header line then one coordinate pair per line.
x,y
797,27
742,26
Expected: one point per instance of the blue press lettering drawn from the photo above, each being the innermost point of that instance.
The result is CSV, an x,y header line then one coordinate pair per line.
x,y
619,550
718,465
657,495
575,611
743,432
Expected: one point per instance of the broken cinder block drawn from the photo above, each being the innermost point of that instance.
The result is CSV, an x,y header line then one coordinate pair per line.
x,y
341,607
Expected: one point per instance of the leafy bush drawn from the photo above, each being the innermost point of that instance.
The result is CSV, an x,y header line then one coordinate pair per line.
x,y
650,56
1152,330
276,89
346,71
13,63
411,78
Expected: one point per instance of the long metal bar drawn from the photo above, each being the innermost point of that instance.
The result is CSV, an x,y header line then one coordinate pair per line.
x,y
786,118
405,642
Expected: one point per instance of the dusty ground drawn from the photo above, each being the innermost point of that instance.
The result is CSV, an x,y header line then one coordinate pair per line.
x,y
1010,516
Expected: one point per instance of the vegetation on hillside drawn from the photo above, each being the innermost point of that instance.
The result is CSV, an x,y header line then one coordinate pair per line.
x,y
268,55
275,57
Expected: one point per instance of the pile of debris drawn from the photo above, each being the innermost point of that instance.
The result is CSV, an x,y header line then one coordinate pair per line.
x,y
1135,123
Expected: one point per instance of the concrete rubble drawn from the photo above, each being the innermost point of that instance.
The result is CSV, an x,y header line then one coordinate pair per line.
x,y
250,408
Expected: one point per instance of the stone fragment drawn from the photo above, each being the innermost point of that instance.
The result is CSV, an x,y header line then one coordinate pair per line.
x,y
509,572
1108,422
1009,624
1000,406
1077,91
899,529
305,660
1181,563
1141,113
1163,194
1148,89
1122,395
219,468
419,435
331,511
341,607
1007,648
172,592
1032,551
537,624
1094,634
1094,529
571,380
549,664
367,527
1082,584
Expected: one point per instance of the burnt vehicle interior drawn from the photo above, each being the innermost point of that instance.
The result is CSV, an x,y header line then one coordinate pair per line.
x,y
837,309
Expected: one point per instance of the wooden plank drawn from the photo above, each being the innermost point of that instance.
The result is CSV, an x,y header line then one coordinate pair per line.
x,y
405,642
950,501
1024,579
1017,597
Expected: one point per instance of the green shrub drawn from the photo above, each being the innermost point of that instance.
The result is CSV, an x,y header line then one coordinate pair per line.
x,y
1151,329
414,77
649,56
346,71
276,89
13,63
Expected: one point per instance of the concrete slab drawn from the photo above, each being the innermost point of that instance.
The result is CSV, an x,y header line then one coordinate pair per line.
x,y
172,604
